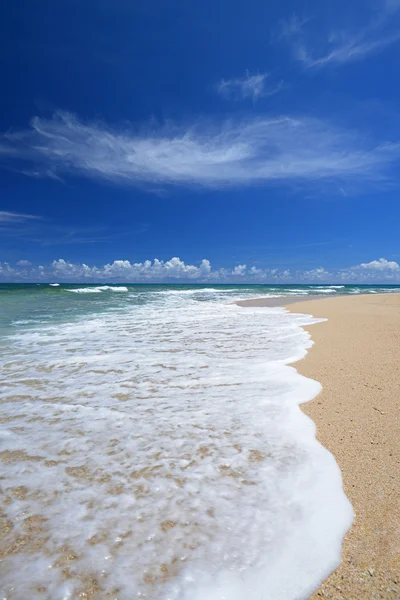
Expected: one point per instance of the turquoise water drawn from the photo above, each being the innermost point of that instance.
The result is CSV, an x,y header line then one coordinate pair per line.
x,y
23,305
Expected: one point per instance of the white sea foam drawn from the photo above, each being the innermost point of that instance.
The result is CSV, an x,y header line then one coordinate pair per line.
x,y
335,287
54,284
195,291
89,290
161,454
99,289
112,288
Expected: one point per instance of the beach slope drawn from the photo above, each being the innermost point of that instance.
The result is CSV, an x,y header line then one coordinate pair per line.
x,y
356,357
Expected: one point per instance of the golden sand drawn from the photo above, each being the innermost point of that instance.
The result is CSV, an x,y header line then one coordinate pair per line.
x,y
356,357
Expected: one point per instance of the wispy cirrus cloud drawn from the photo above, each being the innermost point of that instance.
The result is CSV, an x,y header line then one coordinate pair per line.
x,y
342,46
288,28
250,86
350,49
43,232
13,217
233,153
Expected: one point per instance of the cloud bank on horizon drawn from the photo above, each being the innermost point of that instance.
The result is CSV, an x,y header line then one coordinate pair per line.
x,y
176,270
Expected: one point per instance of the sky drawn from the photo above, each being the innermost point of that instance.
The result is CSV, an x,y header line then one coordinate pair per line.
x,y
240,141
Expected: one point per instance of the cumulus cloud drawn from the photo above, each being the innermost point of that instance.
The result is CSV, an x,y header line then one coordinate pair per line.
x,y
6,271
156,270
249,86
381,265
249,152
176,270
259,273
318,274
24,263
239,270
380,270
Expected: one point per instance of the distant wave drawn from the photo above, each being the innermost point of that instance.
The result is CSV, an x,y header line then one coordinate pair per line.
x,y
337,287
327,286
54,284
197,291
111,288
98,289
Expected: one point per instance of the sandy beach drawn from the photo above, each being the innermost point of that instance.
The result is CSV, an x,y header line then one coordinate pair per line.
x,y
89,468
356,359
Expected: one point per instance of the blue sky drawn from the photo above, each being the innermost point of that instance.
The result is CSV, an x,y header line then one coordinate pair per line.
x,y
260,138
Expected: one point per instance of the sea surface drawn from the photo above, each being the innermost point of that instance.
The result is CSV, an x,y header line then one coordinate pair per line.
x,y
152,445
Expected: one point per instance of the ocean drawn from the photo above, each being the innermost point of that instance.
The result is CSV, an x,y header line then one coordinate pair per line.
x,y
152,445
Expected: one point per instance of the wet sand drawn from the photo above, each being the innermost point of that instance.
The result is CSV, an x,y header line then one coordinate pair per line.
x,y
280,301
356,357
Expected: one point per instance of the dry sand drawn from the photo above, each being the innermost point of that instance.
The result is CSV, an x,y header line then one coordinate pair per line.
x,y
356,357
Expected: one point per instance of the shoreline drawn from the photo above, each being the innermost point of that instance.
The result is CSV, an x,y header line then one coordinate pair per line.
x,y
278,301
355,358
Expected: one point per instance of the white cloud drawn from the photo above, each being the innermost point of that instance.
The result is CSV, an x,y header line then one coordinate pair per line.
x,y
24,263
13,217
349,50
64,269
239,270
176,270
249,86
156,270
235,153
6,271
288,28
260,273
381,270
340,47
318,274
61,266
381,265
